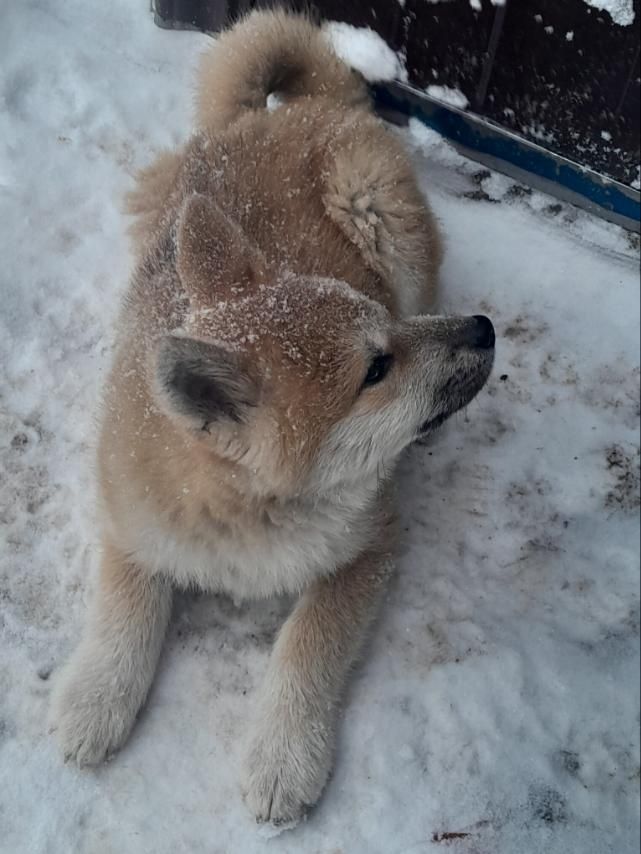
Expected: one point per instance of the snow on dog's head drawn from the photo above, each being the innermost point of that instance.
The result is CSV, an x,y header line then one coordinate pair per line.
x,y
303,380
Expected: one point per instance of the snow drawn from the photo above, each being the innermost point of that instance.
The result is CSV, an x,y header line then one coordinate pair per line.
x,y
621,11
274,101
499,696
365,51
478,6
448,95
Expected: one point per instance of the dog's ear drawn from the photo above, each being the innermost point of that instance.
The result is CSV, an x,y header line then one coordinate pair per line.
x,y
212,253
203,383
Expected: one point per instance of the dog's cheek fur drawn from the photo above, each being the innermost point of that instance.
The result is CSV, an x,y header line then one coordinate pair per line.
x,y
365,446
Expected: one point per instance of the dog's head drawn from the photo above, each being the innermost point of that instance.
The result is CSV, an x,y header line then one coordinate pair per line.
x,y
302,380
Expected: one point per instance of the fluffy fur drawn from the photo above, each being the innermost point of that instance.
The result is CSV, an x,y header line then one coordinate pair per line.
x,y
272,362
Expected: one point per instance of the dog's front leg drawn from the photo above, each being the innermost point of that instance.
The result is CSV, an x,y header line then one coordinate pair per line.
x,y
291,750
105,683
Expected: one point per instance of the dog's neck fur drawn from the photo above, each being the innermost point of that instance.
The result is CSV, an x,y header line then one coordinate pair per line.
x,y
273,546
202,520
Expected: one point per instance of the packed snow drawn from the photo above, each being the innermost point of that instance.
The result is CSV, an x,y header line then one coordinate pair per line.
x,y
448,95
496,710
365,51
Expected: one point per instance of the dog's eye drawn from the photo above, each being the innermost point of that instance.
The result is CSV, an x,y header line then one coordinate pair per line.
x,y
378,369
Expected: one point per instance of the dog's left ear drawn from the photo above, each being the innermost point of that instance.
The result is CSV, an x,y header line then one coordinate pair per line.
x,y
204,383
213,253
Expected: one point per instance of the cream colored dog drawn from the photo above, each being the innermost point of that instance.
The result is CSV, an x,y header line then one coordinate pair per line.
x,y
272,363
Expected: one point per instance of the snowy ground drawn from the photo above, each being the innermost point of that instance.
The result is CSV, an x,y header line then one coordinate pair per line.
x,y
497,709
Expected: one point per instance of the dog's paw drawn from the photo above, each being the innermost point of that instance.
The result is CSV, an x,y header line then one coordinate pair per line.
x,y
285,772
90,716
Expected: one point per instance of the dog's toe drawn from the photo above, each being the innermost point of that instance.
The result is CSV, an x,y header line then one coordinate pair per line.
x,y
90,721
284,779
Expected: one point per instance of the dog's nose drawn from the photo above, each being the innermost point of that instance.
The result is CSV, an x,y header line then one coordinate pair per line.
x,y
483,336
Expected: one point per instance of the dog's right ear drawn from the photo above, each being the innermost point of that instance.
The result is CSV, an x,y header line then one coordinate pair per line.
x,y
213,254
203,383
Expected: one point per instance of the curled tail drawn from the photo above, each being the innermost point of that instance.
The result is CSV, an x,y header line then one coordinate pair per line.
x,y
270,51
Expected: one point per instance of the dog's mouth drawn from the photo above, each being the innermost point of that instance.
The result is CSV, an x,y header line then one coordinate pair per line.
x,y
456,394
432,424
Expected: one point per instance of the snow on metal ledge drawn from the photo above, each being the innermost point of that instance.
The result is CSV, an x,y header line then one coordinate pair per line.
x,y
519,158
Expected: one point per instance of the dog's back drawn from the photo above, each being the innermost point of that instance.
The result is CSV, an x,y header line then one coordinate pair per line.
x,y
319,183
267,52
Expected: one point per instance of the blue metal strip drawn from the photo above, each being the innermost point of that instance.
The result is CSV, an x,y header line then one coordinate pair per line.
x,y
582,186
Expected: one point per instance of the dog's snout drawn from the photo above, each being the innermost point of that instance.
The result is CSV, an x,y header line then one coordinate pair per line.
x,y
483,335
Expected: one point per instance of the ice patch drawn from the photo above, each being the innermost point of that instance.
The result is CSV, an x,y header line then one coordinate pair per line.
x,y
497,186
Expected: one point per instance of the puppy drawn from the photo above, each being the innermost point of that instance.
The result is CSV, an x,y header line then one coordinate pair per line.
x,y
273,360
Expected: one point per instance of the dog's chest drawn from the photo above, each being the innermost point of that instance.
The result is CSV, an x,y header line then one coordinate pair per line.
x,y
282,552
